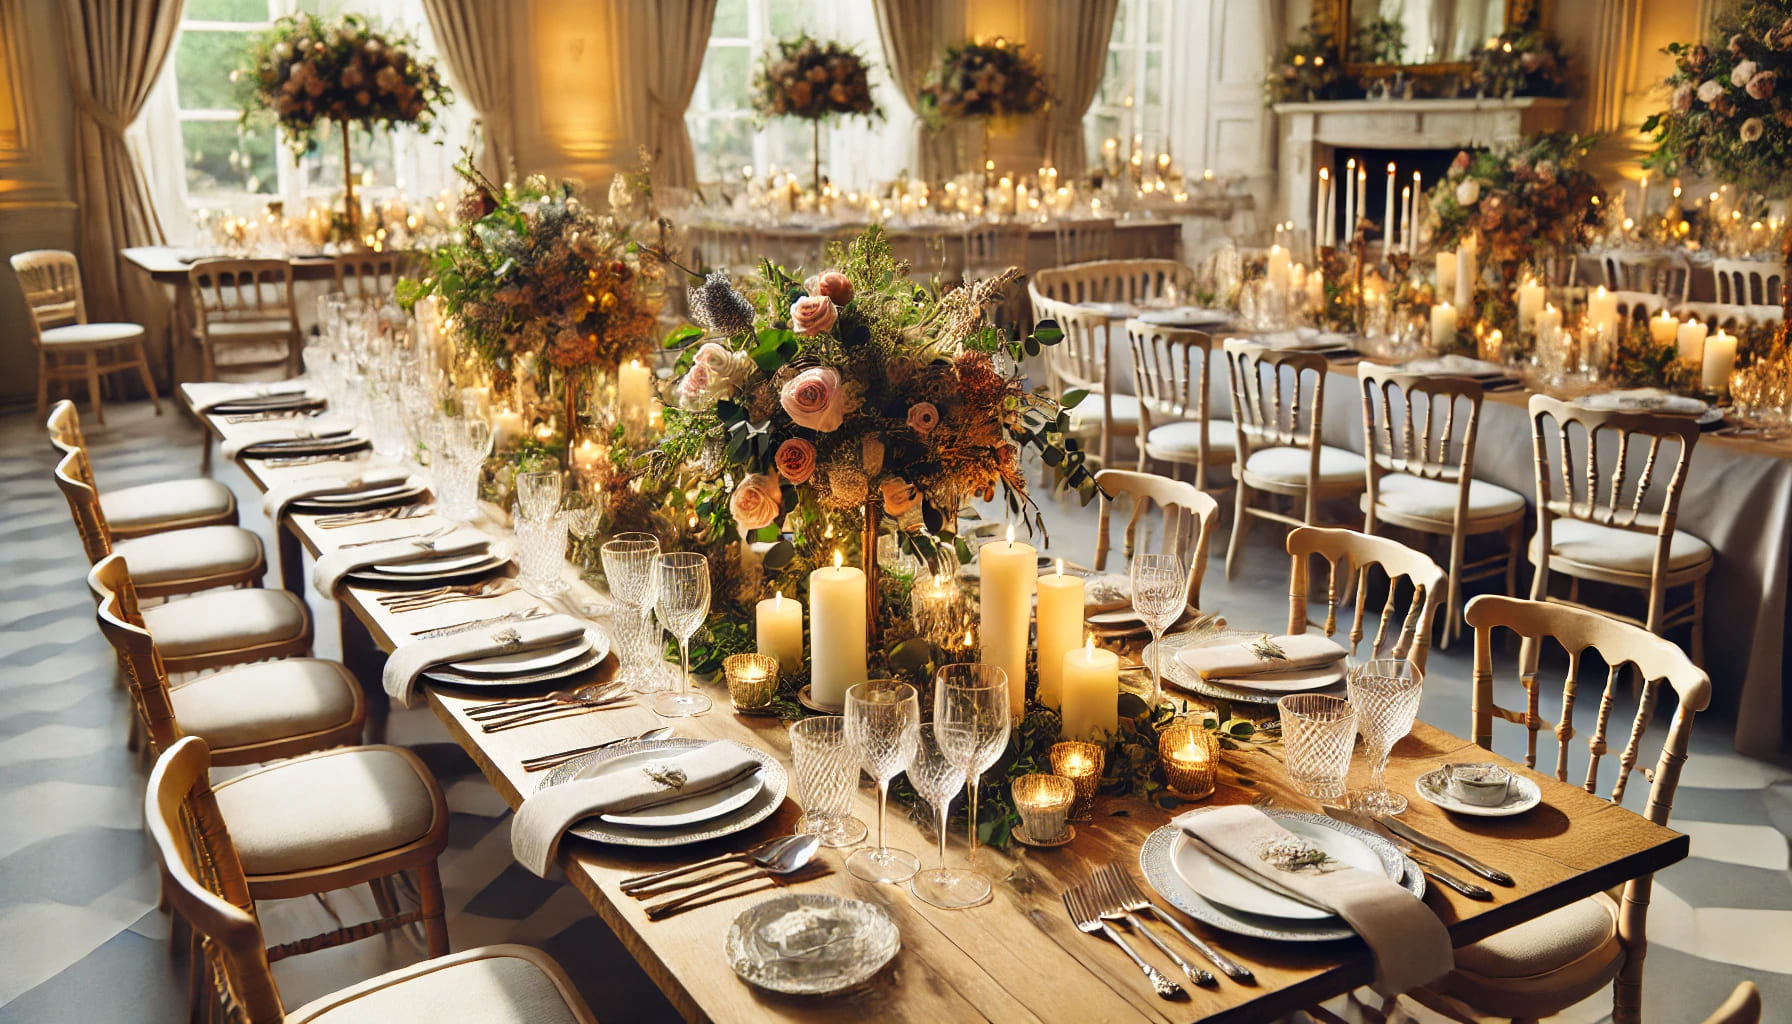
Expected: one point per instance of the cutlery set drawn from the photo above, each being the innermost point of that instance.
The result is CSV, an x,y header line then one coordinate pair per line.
x,y
502,715
467,627
417,600
373,515
774,860
543,762
1111,895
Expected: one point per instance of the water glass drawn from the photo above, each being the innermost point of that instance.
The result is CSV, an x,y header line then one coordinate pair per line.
x,y
937,777
538,493
1318,732
1385,693
682,604
541,554
1159,596
970,718
883,722
826,772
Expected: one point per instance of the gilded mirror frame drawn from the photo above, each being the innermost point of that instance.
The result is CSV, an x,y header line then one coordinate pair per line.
x,y
1519,14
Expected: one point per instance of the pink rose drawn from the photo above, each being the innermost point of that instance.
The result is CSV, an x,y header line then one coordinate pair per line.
x,y
834,285
813,314
1460,164
756,502
795,460
923,417
899,495
813,398
1762,85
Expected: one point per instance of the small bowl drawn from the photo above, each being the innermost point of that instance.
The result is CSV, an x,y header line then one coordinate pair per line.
x,y
1484,785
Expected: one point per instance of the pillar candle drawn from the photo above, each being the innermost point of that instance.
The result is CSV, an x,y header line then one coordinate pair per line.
x,y
1691,339
634,393
1443,326
1664,328
1446,275
1467,274
1007,571
1642,198
1602,312
1349,200
1530,303
1719,360
1091,692
836,632
585,458
778,625
1316,289
507,426
1060,626
1281,269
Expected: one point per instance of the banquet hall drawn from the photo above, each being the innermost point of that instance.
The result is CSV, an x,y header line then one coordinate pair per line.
x,y
820,510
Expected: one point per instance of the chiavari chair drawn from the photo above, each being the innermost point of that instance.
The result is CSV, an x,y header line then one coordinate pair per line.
x,y
1349,556
1188,516
69,348
245,316
1172,370
145,508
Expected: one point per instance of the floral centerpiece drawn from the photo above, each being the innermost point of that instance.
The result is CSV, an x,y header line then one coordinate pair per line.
x,y
812,80
1524,203
989,81
308,73
1306,68
1521,62
1727,115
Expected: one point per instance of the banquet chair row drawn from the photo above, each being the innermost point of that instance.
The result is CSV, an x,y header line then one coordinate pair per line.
x,y
68,346
145,508
245,316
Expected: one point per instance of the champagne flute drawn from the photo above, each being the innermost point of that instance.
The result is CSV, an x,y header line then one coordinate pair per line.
x,y
1160,596
683,603
970,718
937,777
883,720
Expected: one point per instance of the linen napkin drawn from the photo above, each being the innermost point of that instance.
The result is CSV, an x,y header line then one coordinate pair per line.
x,y
1238,660
372,478
207,396
1645,400
248,435
1410,945
1456,365
548,813
1185,316
414,656
334,565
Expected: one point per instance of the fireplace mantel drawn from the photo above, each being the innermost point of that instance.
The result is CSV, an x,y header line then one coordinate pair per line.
x,y
1310,131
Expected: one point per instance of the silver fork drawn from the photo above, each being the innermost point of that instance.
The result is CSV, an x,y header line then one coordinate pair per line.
x,y
1083,915
372,515
492,588
312,460
1120,884
422,540
467,627
1109,905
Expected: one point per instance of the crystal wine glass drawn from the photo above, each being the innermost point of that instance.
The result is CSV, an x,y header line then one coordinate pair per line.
x,y
682,603
538,493
970,719
1160,596
1385,693
826,771
631,564
883,718
937,777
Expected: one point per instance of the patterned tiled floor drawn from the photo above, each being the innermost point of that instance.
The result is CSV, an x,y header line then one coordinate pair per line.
x,y
81,940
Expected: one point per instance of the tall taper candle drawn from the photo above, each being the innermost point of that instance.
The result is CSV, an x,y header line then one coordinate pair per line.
x,y
1388,218
1362,197
1405,220
836,632
1349,200
1007,571
1322,207
1060,627
1412,215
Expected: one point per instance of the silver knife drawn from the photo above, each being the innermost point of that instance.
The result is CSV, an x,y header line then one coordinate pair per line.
x,y
1370,825
467,627
1442,849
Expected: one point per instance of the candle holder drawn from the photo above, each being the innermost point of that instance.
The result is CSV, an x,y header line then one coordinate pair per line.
x,y
752,681
1044,803
1190,757
1081,763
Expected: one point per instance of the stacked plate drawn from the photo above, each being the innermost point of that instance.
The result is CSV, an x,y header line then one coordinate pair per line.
x,y
274,402
1264,688
446,569
695,819
1218,895
1187,317
332,441
360,501
527,667
1654,400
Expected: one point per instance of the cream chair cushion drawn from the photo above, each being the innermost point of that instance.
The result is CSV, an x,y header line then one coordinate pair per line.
x,y
268,700
1284,465
92,334
492,985
1183,440
1623,550
1409,495
1543,966
1086,415
161,505
248,330
190,554
327,808
224,620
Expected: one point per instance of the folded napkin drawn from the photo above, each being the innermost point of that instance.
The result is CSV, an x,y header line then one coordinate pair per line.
x,y
1185,316
1107,592
548,813
239,436
1645,400
1410,945
1302,339
208,395
1245,658
406,547
1457,366
372,478
415,656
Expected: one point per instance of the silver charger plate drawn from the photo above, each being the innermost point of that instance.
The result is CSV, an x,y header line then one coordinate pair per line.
x,y
1184,678
357,503
771,796
810,943
1154,861
594,635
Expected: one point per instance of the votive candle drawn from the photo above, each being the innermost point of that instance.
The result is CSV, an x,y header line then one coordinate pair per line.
x,y
1189,757
1081,763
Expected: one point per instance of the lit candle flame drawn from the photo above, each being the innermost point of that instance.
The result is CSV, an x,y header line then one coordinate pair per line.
x,y
1011,533
839,559
778,600
1089,643
967,638
1060,567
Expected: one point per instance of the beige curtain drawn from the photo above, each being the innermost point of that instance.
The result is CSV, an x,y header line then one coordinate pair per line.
x,y
474,38
914,34
673,35
116,50
1071,39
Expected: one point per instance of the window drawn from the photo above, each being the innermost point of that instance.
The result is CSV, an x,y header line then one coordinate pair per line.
x,y
1133,101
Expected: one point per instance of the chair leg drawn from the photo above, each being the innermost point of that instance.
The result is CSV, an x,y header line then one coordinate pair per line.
x,y
435,921
149,382
1453,614
1241,521
93,387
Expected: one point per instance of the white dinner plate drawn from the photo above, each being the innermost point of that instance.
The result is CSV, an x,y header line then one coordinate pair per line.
x,y
434,565
1293,681
1118,617
520,662
691,810
1224,885
776,783
356,497
593,657
1522,795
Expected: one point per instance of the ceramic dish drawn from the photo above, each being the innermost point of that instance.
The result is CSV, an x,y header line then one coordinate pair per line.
x,y
684,813
336,503
775,784
524,661
432,566
1222,884
1184,678
1297,680
1522,794
564,670
490,564
810,943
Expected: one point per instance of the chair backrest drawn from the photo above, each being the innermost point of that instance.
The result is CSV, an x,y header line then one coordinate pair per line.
x,y
1356,553
1743,1006
1081,359
1666,276
51,281
121,621
75,479
1273,403
1081,240
1421,425
203,880
1749,282
1189,517
65,428
1131,281
995,247
370,275
237,290
1172,371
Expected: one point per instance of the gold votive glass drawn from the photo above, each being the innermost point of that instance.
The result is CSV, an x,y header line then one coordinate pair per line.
x,y
1044,805
752,680
1081,763
1190,757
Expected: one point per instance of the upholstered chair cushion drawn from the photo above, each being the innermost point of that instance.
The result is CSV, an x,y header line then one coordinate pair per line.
x,y
92,334
224,620
1087,414
1416,496
1624,550
1289,465
190,554
265,701
326,808
171,503
1184,438
493,985
1542,966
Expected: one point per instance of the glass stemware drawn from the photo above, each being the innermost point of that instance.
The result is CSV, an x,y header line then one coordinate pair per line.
x,y
1318,731
970,720
538,493
682,603
826,771
1385,693
631,564
937,777
1160,596
883,720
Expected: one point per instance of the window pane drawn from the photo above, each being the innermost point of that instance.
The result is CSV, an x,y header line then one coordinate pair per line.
x,y
372,155
1120,21
202,66
223,157
787,19
1154,80
725,82
1116,82
731,19
226,10
724,146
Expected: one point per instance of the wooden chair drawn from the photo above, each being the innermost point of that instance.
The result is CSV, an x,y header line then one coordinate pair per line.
x,y
1749,282
1743,1006
1134,282
1421,474
248,715
989,249
1356,553
196,842
68,347
146,508
1079,241
1551,962
1665,276
1608,523
1081,362
370,275
1189,516
1172,370
1277,416
245,317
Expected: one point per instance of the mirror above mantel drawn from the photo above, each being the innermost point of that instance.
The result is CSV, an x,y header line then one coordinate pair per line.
x,y
1381,38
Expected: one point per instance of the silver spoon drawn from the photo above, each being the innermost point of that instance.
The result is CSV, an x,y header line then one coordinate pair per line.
x,y
792,858
642,886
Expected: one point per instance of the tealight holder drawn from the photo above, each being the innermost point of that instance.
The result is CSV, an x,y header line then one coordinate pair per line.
x,y
752,681
1044,805
1189,756
1081,763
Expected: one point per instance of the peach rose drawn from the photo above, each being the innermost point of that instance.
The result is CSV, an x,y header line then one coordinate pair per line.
x,y
813,398
923,417
813,314
899,495
833,285
795,460
756,502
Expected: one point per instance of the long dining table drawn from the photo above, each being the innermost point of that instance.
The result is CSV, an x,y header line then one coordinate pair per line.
x,y
1016,957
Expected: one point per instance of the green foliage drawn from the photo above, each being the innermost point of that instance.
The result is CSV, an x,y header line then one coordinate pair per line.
x,y
1521,62
1306,68
1729,112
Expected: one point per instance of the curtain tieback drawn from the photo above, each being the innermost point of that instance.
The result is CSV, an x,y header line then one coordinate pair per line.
x,y
100,115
